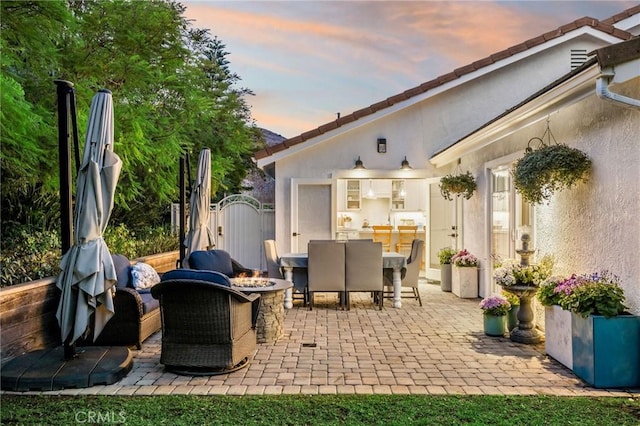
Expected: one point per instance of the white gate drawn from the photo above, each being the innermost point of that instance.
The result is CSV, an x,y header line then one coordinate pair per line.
x,y
240,224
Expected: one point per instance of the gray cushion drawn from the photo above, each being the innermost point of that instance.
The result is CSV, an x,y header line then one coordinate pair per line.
x,y
212,260
191,274
123,270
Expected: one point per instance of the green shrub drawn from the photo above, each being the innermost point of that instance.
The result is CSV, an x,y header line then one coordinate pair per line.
x,y
29,255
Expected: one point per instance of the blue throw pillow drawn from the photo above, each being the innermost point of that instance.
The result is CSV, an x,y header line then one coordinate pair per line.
x,y
191,274
212,260
123,270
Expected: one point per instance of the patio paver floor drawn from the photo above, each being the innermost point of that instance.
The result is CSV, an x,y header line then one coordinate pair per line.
x,y
439,348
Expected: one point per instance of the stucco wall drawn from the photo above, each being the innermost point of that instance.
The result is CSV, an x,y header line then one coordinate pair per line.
x,y
595,225
421,130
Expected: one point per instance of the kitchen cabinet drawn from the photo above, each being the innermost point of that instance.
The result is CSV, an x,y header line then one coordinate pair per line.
x,y
408,194
352,194
416,190
398,194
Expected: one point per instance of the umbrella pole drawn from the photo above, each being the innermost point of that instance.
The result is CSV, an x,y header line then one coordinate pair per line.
x,y
64,91
183,225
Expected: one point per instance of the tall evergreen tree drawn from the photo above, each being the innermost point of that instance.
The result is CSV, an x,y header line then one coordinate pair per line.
x,y
172,88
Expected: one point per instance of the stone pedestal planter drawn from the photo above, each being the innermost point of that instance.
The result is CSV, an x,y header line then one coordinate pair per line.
x,y
445,277
464,282
557,335
606,351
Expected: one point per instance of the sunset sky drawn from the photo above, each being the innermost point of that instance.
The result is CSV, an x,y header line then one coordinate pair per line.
x,y
307,60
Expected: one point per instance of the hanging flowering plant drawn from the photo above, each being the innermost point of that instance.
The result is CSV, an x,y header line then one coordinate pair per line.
x,y
495,305
511,273
460,184
549,168
464,259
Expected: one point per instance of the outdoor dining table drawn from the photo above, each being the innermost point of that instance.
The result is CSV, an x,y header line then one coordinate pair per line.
x,y
390,260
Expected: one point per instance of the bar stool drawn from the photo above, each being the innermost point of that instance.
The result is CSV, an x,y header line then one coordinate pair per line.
x,y
382,234
406,235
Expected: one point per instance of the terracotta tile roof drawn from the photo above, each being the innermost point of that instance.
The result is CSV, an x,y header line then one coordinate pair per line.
x,y
622,15
605,26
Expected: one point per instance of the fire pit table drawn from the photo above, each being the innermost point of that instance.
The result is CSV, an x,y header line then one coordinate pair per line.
x,y
270,322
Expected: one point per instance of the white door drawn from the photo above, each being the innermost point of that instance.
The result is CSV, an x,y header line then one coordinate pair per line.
x,y
311,212
445,230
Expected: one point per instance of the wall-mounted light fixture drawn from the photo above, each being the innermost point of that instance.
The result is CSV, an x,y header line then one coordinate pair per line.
x,y
359,164
382,145
405,164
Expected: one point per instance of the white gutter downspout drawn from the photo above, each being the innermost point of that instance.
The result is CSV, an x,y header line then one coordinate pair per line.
x,y
602,90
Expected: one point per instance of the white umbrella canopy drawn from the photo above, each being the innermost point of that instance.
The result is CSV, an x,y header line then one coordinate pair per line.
x,y
88,276
199,236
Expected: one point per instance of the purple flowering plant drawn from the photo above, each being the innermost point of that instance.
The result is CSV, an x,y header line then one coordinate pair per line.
x,y
598,293
495,305
464,259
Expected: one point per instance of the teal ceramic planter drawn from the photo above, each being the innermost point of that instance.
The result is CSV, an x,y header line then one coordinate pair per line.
x,y
606,351
493,325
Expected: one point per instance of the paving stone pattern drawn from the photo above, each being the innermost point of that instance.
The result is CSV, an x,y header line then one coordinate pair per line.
x,y
439,348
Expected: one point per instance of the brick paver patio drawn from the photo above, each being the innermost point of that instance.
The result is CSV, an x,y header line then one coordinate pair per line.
x,y
435,349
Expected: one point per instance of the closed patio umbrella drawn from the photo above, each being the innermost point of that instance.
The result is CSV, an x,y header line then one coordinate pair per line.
x,y
199,236
88,276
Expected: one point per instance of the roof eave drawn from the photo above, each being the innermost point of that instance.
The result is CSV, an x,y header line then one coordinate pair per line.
x,y
539,108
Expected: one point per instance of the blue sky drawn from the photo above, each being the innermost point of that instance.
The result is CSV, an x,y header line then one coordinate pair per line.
x,y
307,60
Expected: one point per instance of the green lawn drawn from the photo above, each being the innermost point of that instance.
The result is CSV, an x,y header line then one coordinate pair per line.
x,y
319,410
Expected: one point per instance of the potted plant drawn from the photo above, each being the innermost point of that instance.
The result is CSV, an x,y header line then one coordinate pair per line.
x,y
605,337
464,277
548,169
494,310
444,257
512,315
557,321
459,183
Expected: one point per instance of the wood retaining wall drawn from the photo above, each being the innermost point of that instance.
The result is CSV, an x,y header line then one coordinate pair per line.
x,y
28,310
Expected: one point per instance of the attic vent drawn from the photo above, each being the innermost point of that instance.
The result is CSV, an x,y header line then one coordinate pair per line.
x,y
578,57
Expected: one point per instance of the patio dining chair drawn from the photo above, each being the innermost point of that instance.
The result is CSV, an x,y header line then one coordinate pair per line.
x,y
410,275
275,271
363,265
326,268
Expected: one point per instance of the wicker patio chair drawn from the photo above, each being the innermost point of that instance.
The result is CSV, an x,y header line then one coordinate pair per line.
x,y
219,261
208,328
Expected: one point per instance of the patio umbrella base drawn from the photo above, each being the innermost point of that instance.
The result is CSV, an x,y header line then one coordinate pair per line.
x,y
47,370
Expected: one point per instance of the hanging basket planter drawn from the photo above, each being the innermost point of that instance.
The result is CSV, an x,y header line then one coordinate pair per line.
x,y
460,184
549,168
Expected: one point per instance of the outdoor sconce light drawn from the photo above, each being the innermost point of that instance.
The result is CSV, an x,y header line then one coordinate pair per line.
x,y
405,164
382,145
359,164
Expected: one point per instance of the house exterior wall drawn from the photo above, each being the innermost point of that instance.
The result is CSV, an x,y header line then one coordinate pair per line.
x,y
595,225
420,130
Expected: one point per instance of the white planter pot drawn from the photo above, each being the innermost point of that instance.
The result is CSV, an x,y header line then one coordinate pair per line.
x,y
557,335
464,282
